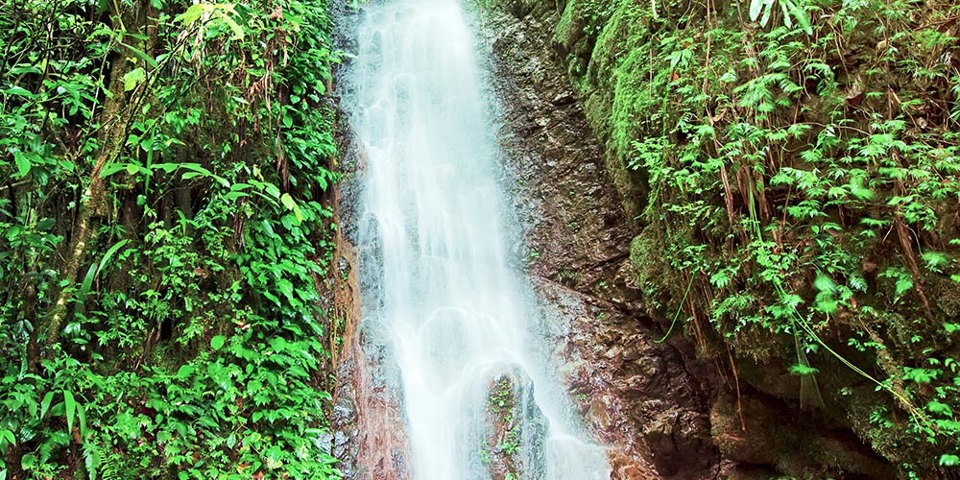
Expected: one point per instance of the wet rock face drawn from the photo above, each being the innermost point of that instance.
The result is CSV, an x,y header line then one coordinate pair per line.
x,y
640,397
513,448
367,423
758,434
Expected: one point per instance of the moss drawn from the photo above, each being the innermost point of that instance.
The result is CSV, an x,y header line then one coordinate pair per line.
x,y
724,112
646,258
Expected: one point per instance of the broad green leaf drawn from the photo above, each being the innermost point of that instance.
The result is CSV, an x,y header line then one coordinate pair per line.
x,y
87,284
45,404
941,408
234,195
23,163
920,375
91,458
70,404
858,190
19,91
237,29
948,460
217,342
111,169
23,68
193,13
935,260
755,7
185,371
110,253
140,53
786,13
166,167
272,190
132,79
288,202
7,438
82,420
767,11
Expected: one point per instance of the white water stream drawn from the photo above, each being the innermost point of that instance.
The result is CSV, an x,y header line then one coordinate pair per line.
x,y
446,306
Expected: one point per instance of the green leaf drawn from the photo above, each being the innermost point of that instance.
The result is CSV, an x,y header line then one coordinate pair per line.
x,y
45,404
140,53
87,284
767,12
28,461
824,283
91,458
920,375
185,371
237,29
110,253
82,420
948,460
131,80
192,14
798,13
19,91
826,303
939,408
111,169
786,13
70,404
217,342
904,283
756,6
803,370
288,202
935,260
7,438
857,189
23,163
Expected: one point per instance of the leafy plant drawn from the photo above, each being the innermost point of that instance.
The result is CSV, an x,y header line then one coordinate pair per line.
x,y
162,230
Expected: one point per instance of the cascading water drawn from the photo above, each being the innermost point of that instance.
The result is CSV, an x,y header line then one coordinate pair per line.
x,y
440,297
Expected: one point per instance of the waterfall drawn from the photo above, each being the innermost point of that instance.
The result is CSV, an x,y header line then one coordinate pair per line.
x,y
457,324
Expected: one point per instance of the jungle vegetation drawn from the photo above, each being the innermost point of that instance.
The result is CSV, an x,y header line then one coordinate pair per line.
x,y
164,232
792,166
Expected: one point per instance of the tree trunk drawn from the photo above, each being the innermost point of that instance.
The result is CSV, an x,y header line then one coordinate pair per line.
x,y
114,119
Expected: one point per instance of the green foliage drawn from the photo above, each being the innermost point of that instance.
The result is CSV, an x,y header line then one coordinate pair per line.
x,y
198,135
800,175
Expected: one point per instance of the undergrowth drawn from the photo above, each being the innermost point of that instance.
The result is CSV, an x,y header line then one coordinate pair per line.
x,y
798,168
163,233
